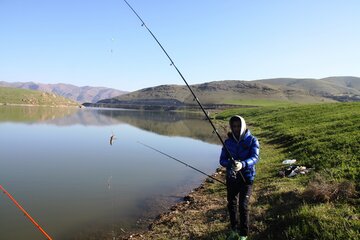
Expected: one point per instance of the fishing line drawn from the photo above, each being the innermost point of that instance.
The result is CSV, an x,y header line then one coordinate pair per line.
x,y
184,163
112,200
111,193
172,63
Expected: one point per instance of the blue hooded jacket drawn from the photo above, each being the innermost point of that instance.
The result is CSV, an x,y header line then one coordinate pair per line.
x,y
246,150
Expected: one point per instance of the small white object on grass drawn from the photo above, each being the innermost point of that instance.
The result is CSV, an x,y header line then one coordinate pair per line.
x,y
289,161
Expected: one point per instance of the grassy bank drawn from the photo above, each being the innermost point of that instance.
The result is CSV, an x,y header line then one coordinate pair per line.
x,y
324,136
262,102
320,205
15,96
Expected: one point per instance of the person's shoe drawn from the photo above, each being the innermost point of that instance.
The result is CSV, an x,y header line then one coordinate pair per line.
x,y
233,236
243,238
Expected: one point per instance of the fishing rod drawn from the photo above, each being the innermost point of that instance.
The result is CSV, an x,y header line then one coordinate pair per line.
x,y
25,213
184,163
188,86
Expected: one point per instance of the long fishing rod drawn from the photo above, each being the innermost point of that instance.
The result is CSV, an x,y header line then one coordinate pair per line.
x,y
184,163
188,86
25,213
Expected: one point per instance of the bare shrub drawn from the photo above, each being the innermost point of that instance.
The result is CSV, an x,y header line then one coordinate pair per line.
x,y
321,190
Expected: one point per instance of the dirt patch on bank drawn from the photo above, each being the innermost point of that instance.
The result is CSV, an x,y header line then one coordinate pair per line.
x,y
200,215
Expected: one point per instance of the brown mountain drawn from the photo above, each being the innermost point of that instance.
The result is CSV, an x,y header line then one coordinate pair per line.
x,y
75,93
290,90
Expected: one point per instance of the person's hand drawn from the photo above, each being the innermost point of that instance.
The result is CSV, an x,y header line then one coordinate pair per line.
x,y
238,166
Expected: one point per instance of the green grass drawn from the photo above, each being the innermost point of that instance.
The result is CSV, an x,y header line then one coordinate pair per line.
x,y
30,97
259,102
324,136
325,221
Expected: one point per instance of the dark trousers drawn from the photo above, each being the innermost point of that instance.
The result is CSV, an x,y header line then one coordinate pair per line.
x,y
238,195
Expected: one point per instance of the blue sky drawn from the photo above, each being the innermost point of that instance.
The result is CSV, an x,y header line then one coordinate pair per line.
x,y
101,43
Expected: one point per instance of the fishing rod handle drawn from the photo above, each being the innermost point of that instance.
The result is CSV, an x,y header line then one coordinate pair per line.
x,y
26,214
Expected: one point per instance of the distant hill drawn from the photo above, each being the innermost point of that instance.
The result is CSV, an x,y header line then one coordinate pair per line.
x,y
348,82
332,87
258,92
75,93
10,96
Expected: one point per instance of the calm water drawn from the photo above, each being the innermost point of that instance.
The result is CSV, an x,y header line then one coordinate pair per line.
x,y
59,165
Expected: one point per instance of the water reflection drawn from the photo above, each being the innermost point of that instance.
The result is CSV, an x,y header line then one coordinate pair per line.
x,y
166,123
34,114
59,164
185,124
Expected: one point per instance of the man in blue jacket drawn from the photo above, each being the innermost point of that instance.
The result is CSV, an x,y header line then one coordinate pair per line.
x,y
244,149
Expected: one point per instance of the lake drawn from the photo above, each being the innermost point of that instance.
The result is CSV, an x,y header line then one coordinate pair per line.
x,y
58,163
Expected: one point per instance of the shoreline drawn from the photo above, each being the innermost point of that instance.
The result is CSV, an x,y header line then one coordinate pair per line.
x,y
195,201
203,194
38,105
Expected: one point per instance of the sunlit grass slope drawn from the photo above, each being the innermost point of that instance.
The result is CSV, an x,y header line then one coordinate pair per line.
x,y
30,97
323,204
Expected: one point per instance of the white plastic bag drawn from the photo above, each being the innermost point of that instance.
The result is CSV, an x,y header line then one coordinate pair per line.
x,y
289,161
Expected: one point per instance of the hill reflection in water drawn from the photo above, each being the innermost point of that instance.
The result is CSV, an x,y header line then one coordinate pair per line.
x,y
184,124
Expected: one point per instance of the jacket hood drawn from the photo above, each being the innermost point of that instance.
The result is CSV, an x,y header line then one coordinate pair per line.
x,y
242,129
